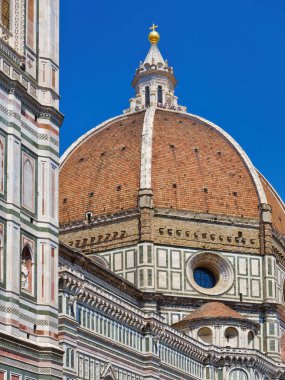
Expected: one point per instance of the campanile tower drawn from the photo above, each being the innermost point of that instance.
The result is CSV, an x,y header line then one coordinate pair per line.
x,y
29,145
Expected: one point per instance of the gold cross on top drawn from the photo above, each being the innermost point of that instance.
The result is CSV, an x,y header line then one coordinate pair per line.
x,y
153,27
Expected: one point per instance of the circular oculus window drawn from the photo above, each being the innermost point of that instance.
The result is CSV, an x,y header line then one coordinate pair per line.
x,y
204,278
210,273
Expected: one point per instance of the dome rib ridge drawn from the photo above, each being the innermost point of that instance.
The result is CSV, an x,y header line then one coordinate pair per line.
x,y
146,148
276,203
277,196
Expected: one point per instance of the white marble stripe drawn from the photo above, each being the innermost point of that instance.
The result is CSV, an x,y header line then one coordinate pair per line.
x,y
273,191
146,148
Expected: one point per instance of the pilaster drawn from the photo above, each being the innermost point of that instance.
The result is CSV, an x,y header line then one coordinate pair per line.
x,y
272,335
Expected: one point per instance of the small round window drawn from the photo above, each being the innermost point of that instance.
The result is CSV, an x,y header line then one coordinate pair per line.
x,y
204,278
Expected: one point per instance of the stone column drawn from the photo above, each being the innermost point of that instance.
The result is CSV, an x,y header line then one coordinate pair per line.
x,y
271,335
153,97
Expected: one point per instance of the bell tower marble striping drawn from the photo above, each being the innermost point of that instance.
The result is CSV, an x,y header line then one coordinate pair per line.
x,y
29,154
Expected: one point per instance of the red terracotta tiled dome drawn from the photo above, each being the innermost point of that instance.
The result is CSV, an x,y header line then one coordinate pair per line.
x,y
214,310
192,165
211,310
101,172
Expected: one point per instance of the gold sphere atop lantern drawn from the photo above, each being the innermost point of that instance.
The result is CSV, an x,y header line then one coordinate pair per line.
x,y
153,36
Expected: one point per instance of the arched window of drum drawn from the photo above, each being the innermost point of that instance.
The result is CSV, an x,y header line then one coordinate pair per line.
x,y
147,97
231,336
159,94
205,334
238,374
28,183
5,13
1,165
250,340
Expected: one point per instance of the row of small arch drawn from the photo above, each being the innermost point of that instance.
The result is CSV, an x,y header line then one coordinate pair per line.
x,y
231,334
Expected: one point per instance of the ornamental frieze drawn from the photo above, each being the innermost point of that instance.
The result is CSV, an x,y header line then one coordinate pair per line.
x,y
99,238
207,235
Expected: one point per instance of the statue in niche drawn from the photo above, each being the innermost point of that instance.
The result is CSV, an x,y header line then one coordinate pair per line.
x,y
26,269
24,276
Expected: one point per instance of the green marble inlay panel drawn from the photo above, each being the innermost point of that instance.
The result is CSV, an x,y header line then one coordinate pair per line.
x,y
176,281
175,259
162,258
254,267
162,279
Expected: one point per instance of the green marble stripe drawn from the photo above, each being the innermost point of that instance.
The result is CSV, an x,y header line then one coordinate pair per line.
x,y
24,374
39,229
27,223
40,147
10,211
28,308
11,124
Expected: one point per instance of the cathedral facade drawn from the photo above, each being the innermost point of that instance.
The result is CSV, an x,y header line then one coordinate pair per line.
x,y
170,262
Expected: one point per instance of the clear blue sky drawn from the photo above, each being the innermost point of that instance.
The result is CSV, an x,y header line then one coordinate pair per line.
x,y
228,56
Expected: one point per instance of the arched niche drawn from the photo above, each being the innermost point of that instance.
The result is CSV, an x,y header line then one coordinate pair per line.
x,y
27,269
28,198
231,337
1,252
